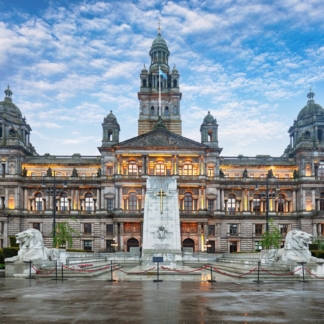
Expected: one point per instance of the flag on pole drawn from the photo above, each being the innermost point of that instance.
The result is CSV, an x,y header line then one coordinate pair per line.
x,y
162,74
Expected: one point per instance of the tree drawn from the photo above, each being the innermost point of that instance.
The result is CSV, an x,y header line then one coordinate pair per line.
x,y
64,233
272,238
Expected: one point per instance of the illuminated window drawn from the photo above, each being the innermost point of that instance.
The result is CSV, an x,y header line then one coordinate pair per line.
x,y
64,202
210,172
308,170
231,203
160,168
89,203
132,168
109,170
187,169
308,205
38,202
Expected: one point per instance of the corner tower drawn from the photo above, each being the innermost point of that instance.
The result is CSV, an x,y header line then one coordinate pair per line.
x,y
148,95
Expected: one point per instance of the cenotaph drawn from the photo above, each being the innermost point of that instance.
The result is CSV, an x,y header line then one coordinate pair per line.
x,y
161,225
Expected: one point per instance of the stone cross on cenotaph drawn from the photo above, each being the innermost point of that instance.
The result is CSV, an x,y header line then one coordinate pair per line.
x,y
161,224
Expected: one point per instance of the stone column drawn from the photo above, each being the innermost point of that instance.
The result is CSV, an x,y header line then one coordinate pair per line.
x,y
120,198
199,237
218,199
25,203
205,233
314,229
319,229
313,200
144,171
222,200
293,201
77,199
122,236
116,197
98,199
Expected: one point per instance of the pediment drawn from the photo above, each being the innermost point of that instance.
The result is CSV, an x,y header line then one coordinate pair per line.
x,y
160,139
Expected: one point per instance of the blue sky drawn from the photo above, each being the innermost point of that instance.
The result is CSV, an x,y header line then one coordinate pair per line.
x,y
250,63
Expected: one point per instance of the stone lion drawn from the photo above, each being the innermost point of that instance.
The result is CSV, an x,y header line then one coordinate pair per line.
x,y
32,247
295,249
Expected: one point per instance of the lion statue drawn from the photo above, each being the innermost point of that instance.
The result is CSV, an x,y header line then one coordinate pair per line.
x,y
32,248
295,249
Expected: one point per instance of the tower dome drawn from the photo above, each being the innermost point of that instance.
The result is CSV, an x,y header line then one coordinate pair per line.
x,y
13,112
159,53
209,131
311,109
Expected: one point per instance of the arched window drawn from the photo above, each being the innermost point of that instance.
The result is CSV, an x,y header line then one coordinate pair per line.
x,y
0,132
308,204
281,203
256,203
132,168
89,203
189,243
307,134
12,132
321,205
187,169
210,135
308,170
321,170
231,203
38,201
110,133
188,201
64,203
132,242
160,168
174,83
320,135
132,201
144,83
152,111
166,111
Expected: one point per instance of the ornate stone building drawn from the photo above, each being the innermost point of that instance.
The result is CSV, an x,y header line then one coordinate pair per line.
x,y
222,200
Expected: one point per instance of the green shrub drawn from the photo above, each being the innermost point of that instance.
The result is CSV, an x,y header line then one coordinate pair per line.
x,y
320,254
313,246
13,241
2,265
9,252
78,250
313,252
1,256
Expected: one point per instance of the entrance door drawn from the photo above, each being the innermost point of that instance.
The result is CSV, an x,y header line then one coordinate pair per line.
x,y
132,242
233,247
211,247
189,243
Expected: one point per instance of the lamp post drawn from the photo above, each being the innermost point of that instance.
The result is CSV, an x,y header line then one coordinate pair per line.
x,y
267,200
54,192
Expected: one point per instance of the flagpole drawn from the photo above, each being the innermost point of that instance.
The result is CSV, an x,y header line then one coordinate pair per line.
x,y
160,112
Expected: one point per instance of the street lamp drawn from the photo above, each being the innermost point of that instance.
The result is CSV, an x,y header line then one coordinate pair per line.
x,y
53,192
268,196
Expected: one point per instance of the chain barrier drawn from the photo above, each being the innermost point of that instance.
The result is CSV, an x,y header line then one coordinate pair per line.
x,y
184,271
136,272
280,275
312,274
39,272
235,276
87,271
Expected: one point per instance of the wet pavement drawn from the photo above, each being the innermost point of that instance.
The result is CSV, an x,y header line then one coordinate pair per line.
x,y
100,301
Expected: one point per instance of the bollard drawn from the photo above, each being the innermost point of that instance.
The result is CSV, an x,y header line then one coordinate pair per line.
x,y
62,272
211,275
111,272
258,281
157,274
302,264
56,278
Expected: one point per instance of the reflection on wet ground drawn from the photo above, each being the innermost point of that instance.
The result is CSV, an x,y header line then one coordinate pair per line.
x,y
100,301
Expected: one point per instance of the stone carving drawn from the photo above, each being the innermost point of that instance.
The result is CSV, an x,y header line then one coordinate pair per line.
x,y
132,227
24,172
160,138
162,232
221,173
296,249
99,173
49,172
295,174
189,227
32,247
74,172
245,174
270,174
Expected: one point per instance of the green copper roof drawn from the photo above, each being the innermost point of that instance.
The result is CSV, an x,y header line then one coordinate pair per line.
x,y
311,109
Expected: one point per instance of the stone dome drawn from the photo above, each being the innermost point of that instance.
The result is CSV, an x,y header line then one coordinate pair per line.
x,y
311,109
8,106
159,44
209,119
111,116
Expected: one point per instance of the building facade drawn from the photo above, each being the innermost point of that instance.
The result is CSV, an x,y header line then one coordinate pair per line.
x,y
222,200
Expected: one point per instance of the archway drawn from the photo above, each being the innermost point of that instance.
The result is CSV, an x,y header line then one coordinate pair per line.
x,y
132,242
189,243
